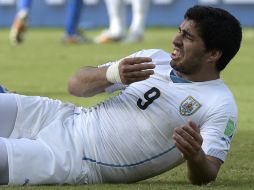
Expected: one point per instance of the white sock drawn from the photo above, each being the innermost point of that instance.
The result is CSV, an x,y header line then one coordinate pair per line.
x,y
139,13
117,17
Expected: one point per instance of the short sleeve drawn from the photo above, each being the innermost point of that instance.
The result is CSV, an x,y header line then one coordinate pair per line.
x,y
219,130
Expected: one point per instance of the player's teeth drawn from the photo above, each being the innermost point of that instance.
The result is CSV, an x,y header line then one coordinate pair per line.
x,y
174,52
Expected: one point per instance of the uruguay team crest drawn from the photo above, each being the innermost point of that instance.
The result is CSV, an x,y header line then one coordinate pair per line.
x,y
189,106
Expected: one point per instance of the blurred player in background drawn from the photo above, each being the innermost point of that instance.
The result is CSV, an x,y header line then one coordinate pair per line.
x,y
73,12
19,25
117,30
72,32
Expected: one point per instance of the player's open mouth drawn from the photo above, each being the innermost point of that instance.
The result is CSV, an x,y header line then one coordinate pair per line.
x,y
175,54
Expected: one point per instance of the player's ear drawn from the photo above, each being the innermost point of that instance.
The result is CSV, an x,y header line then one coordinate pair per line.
x,y
214,56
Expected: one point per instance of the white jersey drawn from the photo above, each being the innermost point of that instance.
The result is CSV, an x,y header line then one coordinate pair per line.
x,y
123,139
129,137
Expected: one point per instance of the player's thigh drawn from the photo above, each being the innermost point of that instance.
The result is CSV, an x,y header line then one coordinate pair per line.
x,y
36,113
33,162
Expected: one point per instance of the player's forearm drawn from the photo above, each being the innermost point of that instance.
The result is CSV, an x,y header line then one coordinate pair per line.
x,y
88,81
202,170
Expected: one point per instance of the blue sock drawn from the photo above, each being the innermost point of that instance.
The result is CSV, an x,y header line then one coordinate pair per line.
x,y
74,8
24,5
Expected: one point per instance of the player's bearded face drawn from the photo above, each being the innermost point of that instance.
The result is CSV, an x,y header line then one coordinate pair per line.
x,y
189,50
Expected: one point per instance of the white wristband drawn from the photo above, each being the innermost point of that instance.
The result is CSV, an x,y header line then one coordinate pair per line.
x,y
112,73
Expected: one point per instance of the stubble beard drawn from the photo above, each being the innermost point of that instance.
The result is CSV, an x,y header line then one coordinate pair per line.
x,y
183,69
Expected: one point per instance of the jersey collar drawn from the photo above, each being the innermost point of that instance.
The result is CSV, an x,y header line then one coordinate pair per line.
x,y
177,79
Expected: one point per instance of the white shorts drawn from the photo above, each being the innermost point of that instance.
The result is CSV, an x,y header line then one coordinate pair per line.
x,y
46,144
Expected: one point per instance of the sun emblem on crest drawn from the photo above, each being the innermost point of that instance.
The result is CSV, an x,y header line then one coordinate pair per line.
x,y
189,106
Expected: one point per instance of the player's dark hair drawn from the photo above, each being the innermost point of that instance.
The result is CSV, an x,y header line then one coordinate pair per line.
x,y
219,30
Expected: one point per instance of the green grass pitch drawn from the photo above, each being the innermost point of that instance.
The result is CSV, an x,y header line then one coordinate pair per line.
x,y
43,65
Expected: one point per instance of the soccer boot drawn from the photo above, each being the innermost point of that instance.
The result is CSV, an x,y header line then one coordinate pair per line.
x,y
107,37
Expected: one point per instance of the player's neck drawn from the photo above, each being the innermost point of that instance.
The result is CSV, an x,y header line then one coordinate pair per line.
x,y
200,77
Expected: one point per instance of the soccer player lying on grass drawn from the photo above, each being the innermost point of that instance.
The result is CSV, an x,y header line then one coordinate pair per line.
x,y
172,108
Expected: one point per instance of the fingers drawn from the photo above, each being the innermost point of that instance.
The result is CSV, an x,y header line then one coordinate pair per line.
x,y
191,132
188,139
135,64
136,60
137,67
132,70
138,74
128,78
182,147
193,125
